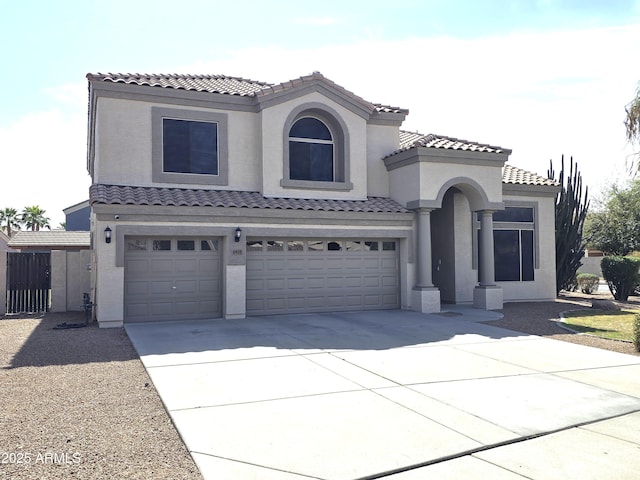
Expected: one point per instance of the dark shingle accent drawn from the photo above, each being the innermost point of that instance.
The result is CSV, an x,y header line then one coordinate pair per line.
x,y
125,195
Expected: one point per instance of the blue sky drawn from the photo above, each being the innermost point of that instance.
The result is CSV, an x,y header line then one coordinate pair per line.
x,y
544,78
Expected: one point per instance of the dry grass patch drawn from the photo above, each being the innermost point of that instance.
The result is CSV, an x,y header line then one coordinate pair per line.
x,y
617,325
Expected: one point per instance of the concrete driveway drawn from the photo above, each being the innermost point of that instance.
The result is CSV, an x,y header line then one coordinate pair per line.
x,y
392,394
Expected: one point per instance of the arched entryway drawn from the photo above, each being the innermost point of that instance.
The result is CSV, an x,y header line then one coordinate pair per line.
x,y
461,244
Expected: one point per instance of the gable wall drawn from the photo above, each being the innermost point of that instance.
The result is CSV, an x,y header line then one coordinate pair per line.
x,y
124,145
425,180
273,120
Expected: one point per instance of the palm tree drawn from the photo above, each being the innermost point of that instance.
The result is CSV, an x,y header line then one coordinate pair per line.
x,y
9,220
33,218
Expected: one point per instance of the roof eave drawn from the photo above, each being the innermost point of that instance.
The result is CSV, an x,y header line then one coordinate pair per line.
x,y
388,118
442,155
530,189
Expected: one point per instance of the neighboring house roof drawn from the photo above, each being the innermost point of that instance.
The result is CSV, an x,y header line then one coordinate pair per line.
x,y
126,195
410,140
76,207
50,239
225,85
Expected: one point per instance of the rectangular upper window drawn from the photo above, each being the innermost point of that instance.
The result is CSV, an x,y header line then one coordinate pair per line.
x,y
189,146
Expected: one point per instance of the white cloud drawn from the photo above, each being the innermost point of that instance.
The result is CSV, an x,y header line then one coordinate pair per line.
x,y
73,95
540,94
43,158
319,21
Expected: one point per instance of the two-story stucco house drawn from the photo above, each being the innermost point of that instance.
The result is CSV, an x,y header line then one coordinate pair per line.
x,y
220,197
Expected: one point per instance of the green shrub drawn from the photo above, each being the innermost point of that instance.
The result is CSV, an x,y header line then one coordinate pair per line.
x,y
588,282
621,274
636,331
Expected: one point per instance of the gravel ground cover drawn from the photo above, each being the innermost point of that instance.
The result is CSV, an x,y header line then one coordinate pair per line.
x,y
541,318
78,403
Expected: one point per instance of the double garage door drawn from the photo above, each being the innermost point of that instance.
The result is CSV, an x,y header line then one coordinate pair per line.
x,y
181,278
323,275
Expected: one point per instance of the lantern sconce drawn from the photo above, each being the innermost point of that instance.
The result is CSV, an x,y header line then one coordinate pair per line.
x,y
238,234
107,234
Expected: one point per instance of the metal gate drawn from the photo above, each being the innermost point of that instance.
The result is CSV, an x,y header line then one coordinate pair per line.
x,y
28,282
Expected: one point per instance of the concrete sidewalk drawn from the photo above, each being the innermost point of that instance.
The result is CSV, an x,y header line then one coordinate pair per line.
x,y
392,394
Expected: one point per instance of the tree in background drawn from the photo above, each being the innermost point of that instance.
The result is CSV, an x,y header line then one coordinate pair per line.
x,y
615,228
632,120
34,218
571,211
9,220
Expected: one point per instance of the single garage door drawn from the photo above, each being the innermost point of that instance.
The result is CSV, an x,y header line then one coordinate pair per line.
x,y
323,275
172,279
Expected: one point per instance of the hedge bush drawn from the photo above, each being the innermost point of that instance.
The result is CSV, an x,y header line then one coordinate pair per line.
x,y
636,331
621,274
588,282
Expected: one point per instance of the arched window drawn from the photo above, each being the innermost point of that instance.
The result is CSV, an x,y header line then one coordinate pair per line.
x,y
311,151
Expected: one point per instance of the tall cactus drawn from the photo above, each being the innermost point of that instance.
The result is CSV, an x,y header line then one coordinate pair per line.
x,y
571,211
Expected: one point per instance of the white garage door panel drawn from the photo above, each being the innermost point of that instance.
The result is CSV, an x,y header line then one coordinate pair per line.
x,y
137,266
137,288
314,276
165,280
160,266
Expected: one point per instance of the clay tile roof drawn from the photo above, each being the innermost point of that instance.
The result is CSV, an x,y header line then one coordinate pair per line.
x,y
200,83
517,176
510,174
126,195
410,140
226,85
53,238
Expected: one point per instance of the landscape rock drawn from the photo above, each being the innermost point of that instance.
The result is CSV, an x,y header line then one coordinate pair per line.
x,y
604,305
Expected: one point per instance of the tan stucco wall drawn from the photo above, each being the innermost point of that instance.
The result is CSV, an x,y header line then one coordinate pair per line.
x,y
109,299
381,141
78,279
428,181
124,145
273,120
70,278
543,287
404,184
466,276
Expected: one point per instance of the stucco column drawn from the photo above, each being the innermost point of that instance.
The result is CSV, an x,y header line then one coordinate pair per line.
x,y
487,265
424,248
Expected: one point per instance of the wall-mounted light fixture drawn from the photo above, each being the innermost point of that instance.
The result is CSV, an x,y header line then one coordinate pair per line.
x,y
107,234
238,234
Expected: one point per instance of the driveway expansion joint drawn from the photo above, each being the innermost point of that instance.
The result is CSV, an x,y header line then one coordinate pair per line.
x,y
492,446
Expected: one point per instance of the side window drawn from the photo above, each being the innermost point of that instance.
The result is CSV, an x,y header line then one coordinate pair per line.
x,y
189,146
513,244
